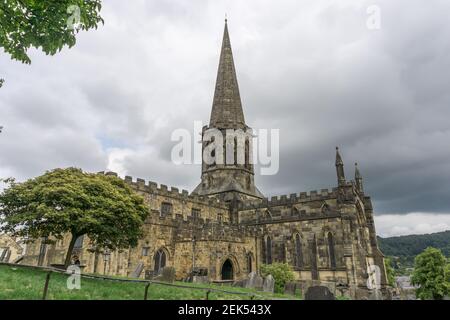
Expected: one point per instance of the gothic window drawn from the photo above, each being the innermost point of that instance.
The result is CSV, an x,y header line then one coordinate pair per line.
x,y
314,269
298,252
249,262
166,209
196,213
42,250
160,260
219,217
79,243
247,153
235,151
268,250
331,251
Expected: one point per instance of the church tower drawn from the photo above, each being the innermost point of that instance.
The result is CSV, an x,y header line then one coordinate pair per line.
x,y
227,166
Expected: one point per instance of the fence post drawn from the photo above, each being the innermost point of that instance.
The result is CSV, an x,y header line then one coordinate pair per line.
x,y
207,294
47,280
146,290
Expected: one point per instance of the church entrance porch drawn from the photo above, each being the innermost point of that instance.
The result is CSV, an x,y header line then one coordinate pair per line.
x,y
227,270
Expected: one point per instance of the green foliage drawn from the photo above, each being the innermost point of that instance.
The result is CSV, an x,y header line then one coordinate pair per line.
x,y
69,200
49,25
281,272
430,274
389,272
406,248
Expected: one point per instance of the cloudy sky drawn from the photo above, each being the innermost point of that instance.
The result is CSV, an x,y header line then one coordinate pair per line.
x,y
312,69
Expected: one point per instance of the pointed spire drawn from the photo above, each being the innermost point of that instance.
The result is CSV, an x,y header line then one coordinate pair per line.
x,y
227,107
358,179
357,174
339,168
338,158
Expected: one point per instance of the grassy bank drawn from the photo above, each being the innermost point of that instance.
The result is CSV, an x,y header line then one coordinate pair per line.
x,y
28,284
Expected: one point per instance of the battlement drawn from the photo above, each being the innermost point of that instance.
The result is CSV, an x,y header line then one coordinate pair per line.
x,y
153,188
293,198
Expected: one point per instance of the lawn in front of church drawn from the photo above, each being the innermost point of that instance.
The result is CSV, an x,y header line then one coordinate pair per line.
x,y
19,283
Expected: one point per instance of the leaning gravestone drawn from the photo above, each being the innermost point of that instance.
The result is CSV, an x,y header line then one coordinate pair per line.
x,y
137,272
269,284
167,275
254,281
319,293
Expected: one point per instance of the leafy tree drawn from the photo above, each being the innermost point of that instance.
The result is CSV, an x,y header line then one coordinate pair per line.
x,y
49,25
389,272
430,274
71,201
281,272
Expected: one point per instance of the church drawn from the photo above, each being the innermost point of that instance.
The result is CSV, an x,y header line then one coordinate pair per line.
x,y
226,228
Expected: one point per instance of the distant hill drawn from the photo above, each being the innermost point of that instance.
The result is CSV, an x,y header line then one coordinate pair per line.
x,y
407,247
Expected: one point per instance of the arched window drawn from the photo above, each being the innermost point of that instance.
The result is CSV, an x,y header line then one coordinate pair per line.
x,y
298,252
160,260
247,153
268,250
249,262
235,151
331,251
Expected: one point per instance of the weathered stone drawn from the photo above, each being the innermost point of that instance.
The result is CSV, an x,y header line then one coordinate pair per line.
x,y
167,275
319,293
269,284
255,281
290,288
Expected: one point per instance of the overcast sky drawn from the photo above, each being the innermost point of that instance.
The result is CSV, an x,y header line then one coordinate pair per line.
x,y
313,69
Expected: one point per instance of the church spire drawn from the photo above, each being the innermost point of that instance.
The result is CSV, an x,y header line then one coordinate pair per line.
x,y
227,107
339,168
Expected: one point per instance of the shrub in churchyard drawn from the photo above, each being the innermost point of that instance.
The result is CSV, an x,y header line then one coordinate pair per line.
x,y
281,272
70,201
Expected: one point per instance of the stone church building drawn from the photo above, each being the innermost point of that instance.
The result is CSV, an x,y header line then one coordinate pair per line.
x,y
227,228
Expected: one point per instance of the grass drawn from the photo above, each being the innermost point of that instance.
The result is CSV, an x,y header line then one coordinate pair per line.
x,y
19,283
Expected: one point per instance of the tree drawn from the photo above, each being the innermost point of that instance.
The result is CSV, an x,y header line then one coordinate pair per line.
x,y
389,272
49,25
430,274
71,201
281,272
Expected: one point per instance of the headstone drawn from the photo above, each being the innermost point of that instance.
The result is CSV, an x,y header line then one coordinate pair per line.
x,y
200,279
254,281
240,283
137,272
289,288
319,293
269,284
167,275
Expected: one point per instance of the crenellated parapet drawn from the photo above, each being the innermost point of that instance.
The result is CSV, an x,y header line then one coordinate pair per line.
x,y
150,187
291,199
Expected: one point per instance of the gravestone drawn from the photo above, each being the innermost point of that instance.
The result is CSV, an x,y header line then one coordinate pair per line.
x,y
240,283
319,293
200,279
137,272
254,281
290,287
167,275
269,284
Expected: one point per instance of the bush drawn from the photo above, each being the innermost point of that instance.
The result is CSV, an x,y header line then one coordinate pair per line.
x,y
281,272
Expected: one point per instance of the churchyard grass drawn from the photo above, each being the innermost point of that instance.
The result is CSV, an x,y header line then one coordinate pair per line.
x,y
28,284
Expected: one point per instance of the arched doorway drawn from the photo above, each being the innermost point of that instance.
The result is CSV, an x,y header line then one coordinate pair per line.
x,y
227,270
160,260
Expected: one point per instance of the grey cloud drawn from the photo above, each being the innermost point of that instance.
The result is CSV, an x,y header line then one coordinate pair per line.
x,y
311,69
